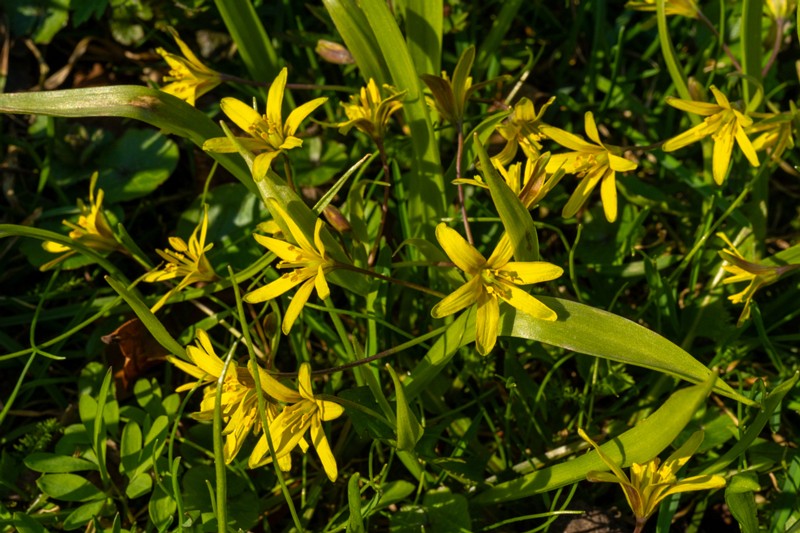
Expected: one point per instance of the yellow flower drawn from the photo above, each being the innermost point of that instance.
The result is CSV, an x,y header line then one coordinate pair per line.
x,y
186,260
724,122
304,412
777,132
651,482
239,402
740,269
370,113
310,264
92,229
594,163
522,130
780,9
686,8
190,78
530,185
490,281
269,134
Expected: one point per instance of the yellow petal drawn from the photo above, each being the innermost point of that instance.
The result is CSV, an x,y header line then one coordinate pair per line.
x,y
299,114
590,127
304,382
460,252
321,284
621,476
275,100
276,389
274,289
285,250
223,145
694,134
324,451
698,108
568,140
581,194
296,305
263,162
240,113
620,164
502,253
276,209
608,194
525,273
329,410
723,148
461,298
487,322
526,303
695,483
746,146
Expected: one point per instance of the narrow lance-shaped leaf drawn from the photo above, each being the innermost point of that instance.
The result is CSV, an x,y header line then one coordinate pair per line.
x,y
157,108
514,215
637,445
409,431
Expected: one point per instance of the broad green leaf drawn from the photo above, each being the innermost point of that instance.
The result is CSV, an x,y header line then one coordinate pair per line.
x,y
359,38
69,487
83,514
424,185
394,491
355,523
153,325
135,164
423,25
637,445
514,215
252,42
25,524
741,500
161,508
579,328
164,111
409,430
130,447
53,463
447,512
140,484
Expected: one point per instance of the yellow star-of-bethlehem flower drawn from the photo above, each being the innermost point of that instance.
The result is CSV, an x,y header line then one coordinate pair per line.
x,y
369,112
686,8
740,269
593,163
269,134
776,132
651,482
239,402
522,130
189,78
188,261
304,412
491,280
531,185
92,229
725,123
309,262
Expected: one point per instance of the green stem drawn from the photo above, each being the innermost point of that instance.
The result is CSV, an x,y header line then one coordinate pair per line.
x,y
339,326
396,281
219,456
262,413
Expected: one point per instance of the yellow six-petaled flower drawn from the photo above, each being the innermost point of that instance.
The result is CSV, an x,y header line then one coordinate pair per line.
x,y
369,112
189,78
269,134
304,412
309,262
593,163
725,123
652,481
489,281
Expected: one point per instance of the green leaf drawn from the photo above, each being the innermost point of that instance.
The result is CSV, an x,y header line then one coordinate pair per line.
x,y
161,508
447,512
164,111
637,445
424,185
752,15
668,51
252,43
355,524
491,43
395,491
423,25
68,487
359,38
139,485
25,524
409,430
130,447
135,164
741,500
83,514
514,215
153,325
54,463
